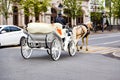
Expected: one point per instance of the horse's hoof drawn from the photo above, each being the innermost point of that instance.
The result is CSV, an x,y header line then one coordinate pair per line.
x,y
78,49
86,49
81,47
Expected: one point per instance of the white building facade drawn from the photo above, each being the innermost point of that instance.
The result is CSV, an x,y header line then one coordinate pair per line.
x,y
17,17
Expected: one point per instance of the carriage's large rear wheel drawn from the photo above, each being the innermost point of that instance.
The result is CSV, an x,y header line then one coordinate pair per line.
x,y
26,51
55,50
71,48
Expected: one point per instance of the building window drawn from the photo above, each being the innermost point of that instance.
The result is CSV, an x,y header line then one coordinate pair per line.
x,y
79,20
15,15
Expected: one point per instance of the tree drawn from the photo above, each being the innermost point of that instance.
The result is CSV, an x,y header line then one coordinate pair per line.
x,y
72,8
34,7
4,9
116,9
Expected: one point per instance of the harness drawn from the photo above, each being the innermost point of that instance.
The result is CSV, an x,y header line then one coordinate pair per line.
x,y
88,31
80,26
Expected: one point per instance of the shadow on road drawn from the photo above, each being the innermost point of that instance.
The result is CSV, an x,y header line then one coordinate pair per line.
x,y
43,56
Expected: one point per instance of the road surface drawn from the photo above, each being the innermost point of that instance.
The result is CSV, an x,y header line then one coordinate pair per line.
x,y
91,65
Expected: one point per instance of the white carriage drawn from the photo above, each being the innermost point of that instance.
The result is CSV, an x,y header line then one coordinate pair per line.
x,y
51,37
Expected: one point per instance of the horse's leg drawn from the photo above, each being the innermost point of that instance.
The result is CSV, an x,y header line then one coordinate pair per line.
x,y
77,46
87,43
76,43
82,43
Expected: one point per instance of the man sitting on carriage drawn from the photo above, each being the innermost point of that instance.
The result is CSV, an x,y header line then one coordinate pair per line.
x,y
60,19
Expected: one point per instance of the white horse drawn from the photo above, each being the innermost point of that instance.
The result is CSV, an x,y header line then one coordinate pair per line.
x,y
82,31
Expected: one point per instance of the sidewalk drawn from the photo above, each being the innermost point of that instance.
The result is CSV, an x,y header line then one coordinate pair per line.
x,y
114,29
105,32
117,52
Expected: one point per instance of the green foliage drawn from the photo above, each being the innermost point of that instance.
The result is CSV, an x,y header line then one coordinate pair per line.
x,y
34,7
45,3
96,16
107,3
72,8
4,9
67,12
101,8
116,8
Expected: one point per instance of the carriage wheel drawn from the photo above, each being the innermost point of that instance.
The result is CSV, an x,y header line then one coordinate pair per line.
x,y
71,48
26,51
55,50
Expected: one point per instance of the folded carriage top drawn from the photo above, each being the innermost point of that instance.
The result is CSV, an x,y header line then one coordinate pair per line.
x,y
39,28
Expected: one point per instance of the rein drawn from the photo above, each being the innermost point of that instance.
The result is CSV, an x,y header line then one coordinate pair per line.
x,y
85,25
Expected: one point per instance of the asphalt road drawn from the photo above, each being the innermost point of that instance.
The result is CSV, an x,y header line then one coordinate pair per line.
x,y
108,40
82,66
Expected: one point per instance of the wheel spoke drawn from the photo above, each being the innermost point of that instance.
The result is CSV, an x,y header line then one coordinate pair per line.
x,y
72,48
55,50
26,51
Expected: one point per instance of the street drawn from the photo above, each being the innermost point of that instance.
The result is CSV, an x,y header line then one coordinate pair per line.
x,y
96,64
109,40
104,43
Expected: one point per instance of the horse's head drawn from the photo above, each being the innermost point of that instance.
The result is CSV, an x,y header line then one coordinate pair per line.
x,y
89,25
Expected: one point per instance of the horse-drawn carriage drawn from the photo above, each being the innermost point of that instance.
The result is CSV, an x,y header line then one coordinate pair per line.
x,y
51,37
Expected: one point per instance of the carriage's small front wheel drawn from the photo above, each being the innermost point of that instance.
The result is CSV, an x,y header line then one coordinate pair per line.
x,y
71,48
26,51
55,50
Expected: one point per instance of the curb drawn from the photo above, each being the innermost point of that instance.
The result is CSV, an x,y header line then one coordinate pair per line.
x,y
105,32
116,54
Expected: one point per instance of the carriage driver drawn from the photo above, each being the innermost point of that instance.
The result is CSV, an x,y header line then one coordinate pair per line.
x,y
66,31
60,19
